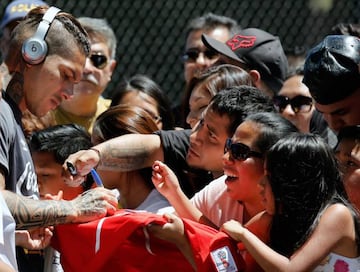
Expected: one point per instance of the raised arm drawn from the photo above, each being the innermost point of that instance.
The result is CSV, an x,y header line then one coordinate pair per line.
x,y
334,233
124,153
166,182
91,205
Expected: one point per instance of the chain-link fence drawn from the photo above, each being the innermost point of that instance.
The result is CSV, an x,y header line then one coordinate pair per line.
x,y
151,34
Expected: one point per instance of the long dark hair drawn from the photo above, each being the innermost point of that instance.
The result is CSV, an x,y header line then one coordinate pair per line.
x,y
305,180
124,119
144,84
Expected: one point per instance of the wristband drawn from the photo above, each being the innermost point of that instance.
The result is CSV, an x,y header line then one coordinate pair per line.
x,y
99,154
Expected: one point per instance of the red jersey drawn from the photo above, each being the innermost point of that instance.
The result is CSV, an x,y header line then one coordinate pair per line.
x,y
122,243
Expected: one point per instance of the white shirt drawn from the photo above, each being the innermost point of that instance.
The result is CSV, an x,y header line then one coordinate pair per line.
x,y
215,203
7,235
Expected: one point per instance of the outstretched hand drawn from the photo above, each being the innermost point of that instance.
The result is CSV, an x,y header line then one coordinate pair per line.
x,y
233,228
94,204
83,161
34,239
172,231
164,179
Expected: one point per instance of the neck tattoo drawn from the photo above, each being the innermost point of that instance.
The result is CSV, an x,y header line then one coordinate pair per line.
x,y
15,89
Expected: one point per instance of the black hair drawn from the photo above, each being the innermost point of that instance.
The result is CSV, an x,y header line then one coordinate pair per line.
x,y
346,29
350,132
273,127
210,21
144,84
239,102
305,179
62,141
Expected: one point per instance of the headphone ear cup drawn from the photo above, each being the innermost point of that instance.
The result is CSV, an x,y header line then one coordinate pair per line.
x,y
34,50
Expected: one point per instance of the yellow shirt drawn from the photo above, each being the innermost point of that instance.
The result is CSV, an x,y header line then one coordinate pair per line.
x,y
62,117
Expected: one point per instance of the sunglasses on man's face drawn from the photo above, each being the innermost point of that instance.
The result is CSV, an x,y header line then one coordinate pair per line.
x,y
98,60
192,55
298,103
239,151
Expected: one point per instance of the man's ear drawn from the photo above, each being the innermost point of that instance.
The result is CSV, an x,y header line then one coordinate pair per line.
x,y
113,64
255,77
258,83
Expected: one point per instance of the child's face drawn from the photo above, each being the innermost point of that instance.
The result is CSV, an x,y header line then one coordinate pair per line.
x,y
49,176
350,167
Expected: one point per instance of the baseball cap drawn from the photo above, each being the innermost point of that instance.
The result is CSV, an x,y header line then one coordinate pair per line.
x,y
331,69
16,10
257,50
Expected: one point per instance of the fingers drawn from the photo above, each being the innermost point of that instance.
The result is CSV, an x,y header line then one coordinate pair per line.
x,y
77,166
170,217
59,196
94,204
159,167
157,177
73,181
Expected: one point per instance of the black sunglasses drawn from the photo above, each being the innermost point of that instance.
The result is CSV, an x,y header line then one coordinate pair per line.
x,y
240,151
98,60
299,103
193,54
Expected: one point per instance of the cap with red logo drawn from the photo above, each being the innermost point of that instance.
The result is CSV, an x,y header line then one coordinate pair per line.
x,y
257,50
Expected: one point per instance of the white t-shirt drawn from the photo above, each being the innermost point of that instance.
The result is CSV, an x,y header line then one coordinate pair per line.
x,y
154,202
7,235
215,203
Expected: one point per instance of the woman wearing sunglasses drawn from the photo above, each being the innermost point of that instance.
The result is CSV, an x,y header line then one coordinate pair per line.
x,y
294,102
313,226
243,166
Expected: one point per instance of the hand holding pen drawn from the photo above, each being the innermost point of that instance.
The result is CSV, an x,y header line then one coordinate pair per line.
x,y
94,174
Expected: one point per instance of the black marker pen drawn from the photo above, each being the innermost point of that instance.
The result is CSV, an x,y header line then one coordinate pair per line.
x,y
71,168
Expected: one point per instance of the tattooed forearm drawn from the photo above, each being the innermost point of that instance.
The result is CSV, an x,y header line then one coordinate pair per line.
x,y
124,159
90,205
33,213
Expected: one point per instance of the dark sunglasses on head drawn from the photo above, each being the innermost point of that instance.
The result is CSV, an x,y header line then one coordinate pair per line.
x,y
240,151
299,103
98,60
192,55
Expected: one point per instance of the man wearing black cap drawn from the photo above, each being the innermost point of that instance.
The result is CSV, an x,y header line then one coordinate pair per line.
x,y
256,51
331,73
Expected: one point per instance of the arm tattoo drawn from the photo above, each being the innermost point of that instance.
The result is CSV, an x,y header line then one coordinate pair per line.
x,y
125,159
33,213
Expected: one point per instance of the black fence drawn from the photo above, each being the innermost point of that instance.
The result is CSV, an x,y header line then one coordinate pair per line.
x,y
151,34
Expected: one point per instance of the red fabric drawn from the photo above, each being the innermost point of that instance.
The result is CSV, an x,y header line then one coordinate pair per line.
x,y
204,240
122,245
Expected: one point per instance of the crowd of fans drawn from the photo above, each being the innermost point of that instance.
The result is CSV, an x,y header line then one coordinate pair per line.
x,y
256,169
